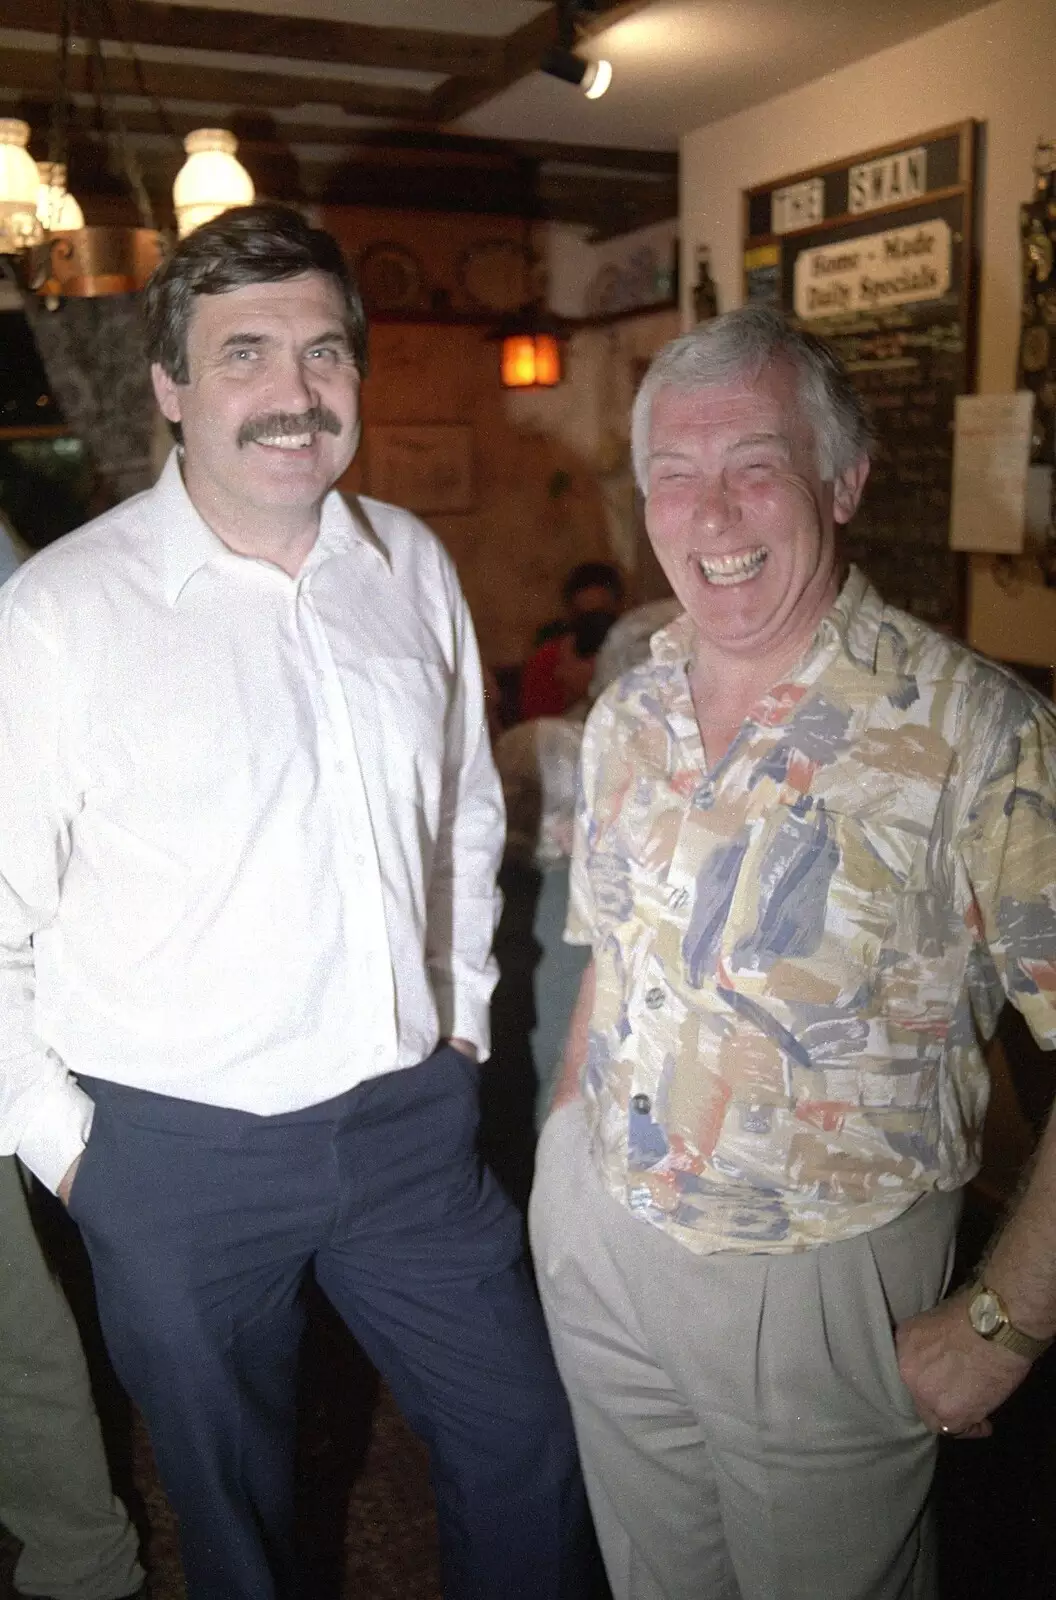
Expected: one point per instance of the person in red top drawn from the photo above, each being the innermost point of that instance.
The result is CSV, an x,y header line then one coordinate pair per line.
x,y
593,586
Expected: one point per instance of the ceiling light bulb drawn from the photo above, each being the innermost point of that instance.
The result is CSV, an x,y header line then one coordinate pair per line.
x,y
596,79
57,210
19,181
210,181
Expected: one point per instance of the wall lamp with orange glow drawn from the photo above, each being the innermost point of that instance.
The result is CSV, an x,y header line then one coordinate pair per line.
x,y
532,349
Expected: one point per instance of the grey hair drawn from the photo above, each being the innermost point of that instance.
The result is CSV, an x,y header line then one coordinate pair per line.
x,y
740,344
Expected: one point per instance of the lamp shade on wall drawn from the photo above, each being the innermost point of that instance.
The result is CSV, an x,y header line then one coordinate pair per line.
x,y
531,361
531,347
210,181
57,210
20,226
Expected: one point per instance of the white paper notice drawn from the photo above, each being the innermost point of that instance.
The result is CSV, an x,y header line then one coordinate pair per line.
x,y
991,453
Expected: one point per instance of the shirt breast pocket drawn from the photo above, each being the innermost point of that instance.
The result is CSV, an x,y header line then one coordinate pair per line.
x,y
814,903
400,711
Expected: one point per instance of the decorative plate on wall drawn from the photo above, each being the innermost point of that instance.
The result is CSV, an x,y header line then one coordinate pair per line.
x,y
390,278
494,274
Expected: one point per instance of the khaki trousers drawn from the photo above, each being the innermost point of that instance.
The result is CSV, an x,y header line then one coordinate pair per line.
x,y
744,1431
55,1491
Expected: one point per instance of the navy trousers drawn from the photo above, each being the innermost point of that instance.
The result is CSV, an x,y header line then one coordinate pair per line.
x,y
201,1224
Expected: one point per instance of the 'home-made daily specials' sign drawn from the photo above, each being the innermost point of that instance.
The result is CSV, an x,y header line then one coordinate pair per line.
x,y
893,268
874,253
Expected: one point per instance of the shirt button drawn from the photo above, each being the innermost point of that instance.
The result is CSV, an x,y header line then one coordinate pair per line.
x,y
654,998
642,1104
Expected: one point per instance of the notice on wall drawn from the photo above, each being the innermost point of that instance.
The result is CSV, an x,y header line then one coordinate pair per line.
x,y
874,254
897,267
991,456
894,177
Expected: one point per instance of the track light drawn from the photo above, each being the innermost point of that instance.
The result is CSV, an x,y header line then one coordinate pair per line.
x,y
593,77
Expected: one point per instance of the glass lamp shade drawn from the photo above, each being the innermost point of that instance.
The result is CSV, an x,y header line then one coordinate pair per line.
x,y
210,181
531,361
19,181
57,210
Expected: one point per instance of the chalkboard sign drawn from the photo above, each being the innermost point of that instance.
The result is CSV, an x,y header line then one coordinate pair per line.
x,y
875,255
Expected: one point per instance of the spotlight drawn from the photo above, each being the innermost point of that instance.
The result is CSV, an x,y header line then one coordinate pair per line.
x,y
593,77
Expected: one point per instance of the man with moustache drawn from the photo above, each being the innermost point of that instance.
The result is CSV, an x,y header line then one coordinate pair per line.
x,y
815,853
249,827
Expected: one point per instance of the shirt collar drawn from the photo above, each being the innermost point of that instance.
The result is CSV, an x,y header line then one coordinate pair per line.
x,y
189,544
853,624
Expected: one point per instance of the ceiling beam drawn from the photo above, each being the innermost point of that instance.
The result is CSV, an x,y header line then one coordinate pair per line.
x,y
145,22
33,72
386,148
522,52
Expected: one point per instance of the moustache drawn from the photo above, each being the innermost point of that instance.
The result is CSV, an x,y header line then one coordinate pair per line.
x,y
317,419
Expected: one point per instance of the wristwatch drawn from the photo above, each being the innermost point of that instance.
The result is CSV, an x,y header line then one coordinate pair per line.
x,y
987,1315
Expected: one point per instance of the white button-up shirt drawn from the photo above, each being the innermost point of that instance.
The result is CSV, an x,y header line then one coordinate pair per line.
x,y
249,824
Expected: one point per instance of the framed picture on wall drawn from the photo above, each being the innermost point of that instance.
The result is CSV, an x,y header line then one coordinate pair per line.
x,y
424,467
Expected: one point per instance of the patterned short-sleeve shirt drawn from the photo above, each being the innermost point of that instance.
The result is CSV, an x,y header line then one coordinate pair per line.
x,y
801,951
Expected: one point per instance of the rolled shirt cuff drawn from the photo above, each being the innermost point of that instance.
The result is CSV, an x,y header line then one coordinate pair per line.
x,y
57,1132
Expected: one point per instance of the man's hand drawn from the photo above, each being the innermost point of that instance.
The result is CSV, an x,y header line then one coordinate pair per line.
x,y
66,1185
464,1047
956,1377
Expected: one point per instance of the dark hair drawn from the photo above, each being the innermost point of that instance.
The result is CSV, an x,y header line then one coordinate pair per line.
x,y
593,575
248,244
588,632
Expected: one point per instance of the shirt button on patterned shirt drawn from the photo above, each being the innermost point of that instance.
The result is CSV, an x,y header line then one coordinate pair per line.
x,y
654,998
642,1104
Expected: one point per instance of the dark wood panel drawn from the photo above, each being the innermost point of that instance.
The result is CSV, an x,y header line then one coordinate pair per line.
x,y
296,38
521,54
33,72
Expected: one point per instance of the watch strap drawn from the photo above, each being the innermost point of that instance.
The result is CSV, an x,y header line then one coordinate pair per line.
x,y
1007,1334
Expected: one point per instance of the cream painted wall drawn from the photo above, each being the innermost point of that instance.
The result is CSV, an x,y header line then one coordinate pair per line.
x,y
997,65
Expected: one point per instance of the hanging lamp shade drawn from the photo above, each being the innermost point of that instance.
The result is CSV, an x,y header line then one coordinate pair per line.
x,y
57,210
531,348
210,181
19,181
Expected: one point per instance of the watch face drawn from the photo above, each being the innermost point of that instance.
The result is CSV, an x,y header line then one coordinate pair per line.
x,y
985,1313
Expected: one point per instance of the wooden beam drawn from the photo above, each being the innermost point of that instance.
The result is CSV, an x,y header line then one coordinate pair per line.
x,y
388,147
607,206
33,72
605,14
521,54
254,33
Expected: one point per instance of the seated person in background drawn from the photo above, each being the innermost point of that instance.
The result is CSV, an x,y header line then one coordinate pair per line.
x,y
576,660
13,551
593,586
627,642
538,764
